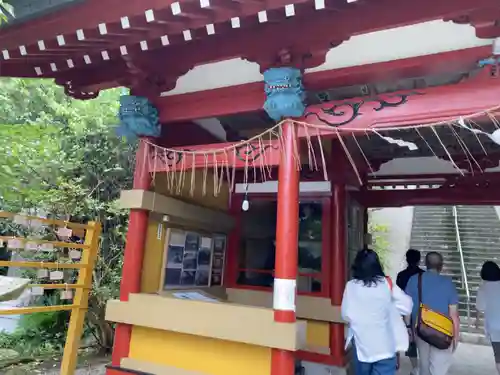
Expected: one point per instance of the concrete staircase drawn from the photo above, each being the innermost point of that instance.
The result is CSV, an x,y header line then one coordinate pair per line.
x,y
434,230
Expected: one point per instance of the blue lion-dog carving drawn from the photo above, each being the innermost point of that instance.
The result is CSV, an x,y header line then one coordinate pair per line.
x,y
138,118
285,93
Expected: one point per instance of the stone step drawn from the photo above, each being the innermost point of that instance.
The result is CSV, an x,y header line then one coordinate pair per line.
x,y
474,338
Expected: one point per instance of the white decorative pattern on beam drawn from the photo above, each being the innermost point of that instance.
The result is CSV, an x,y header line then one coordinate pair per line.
x,y
290,10
210,29
80,35
187,35
125,22
319,4
150,15
38,71
262,15
235,22
103,30
338,57
176,8
53,67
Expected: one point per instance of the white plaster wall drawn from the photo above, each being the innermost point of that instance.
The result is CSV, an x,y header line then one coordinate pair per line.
x,y
399,223
417,165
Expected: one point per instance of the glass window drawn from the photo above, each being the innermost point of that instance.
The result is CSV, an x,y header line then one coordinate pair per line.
x,y
258,245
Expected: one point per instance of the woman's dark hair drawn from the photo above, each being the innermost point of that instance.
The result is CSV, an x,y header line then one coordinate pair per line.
x,y
490,271
367,268
413,257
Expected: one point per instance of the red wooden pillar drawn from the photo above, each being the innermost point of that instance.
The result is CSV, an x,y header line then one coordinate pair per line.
x,y
339,267
287,238
133,255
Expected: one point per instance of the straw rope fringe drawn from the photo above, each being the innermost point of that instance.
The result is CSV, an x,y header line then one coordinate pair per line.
x,y
219,165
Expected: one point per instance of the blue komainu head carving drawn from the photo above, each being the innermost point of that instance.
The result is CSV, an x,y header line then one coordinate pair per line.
x,y
285,93
138,118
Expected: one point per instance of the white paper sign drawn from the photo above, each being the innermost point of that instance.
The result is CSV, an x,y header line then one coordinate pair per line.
x,y
37,291
14,243
47,247
159,231
56,275
64,232
66,294
32,246
42,274
2,243
20,220
206,242
75,254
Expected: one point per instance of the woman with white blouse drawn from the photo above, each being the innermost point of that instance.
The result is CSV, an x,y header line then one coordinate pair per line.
x,y
373,308
488,303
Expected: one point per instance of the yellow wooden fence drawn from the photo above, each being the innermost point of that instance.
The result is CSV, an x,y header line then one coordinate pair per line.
x,y
82,288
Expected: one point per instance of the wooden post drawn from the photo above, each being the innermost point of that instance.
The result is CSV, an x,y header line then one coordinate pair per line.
x,y
133,254
339,267
287,233
75,328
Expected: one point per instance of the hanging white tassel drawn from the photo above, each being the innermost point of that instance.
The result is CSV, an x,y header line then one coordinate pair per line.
x,y
495,136
401,143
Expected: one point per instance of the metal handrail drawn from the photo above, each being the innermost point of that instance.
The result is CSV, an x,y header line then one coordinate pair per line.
x,y
465,281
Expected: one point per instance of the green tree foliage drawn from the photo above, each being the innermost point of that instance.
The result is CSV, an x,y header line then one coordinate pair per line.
x,y
5,9
62,157
380,243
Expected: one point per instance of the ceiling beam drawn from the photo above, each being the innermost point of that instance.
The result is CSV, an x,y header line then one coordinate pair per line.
x,y
251,97
89,14
311,33
441,196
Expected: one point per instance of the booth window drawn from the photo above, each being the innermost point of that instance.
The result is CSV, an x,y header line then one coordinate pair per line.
x,y
258,245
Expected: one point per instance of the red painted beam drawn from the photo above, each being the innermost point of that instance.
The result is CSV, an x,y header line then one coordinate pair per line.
x,y
321,28
435,104
89,14
442,196
86,15
220,102
314,28
191,134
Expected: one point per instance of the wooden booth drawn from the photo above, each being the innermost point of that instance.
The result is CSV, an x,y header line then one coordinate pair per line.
x,y
266,129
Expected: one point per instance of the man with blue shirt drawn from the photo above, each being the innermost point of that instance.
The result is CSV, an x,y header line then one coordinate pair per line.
x,y
439,294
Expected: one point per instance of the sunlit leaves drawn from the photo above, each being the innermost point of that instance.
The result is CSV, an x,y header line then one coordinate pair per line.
x,y
62,155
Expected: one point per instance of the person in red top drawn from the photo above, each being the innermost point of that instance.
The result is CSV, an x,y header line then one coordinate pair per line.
x,y
413,260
